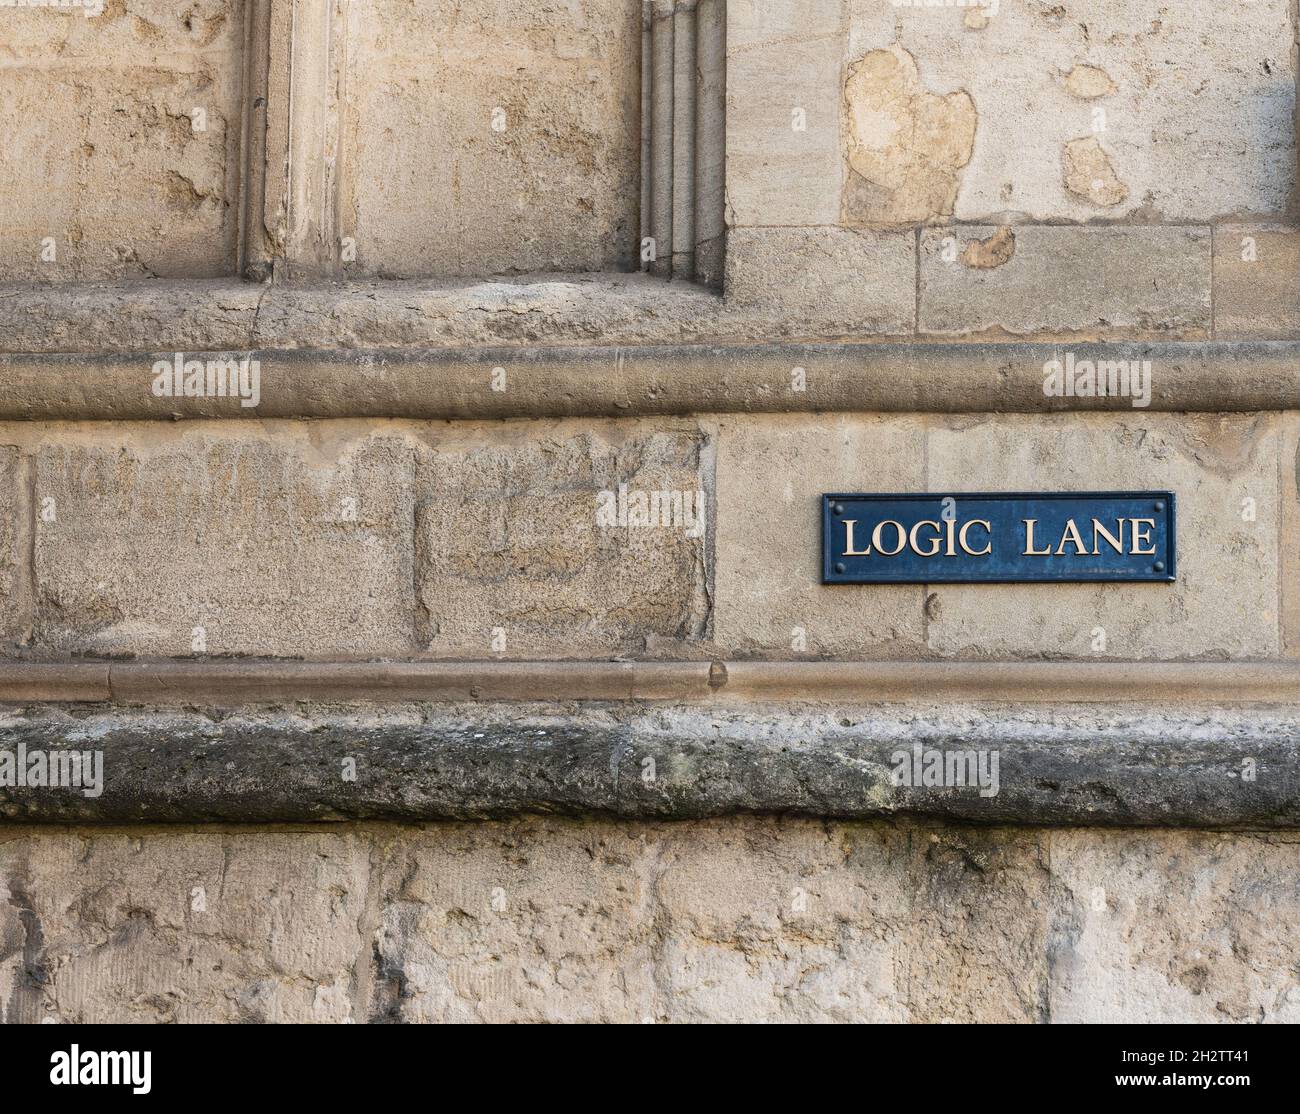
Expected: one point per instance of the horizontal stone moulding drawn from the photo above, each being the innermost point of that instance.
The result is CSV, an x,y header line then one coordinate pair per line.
x,y
651,380
251,682
1091,765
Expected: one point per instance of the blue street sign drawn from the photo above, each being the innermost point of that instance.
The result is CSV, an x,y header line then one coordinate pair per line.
x,y
998,537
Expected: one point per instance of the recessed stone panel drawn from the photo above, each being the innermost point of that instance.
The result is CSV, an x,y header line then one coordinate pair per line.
x,y
492,137
557,541
221,541
122,134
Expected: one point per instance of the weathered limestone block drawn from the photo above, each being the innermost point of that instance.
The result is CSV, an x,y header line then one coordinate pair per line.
x,y
1174,927
1223,471
274,540
564,540
981,911
783,92
544,919
825,281
1096,764
1288,470
14,515
772,471
1057,280
121,140
492,138
1193,115
1256,282
813,926
119,926
739,920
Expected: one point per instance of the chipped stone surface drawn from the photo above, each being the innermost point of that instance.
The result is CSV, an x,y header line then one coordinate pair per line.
x,y
1090,281
825,280
906,145
1225,602
196,926
1090,174
993,252
1178,763
1200,124
1118,955
771,474
739,920
113,169
515,557
274,541
517,152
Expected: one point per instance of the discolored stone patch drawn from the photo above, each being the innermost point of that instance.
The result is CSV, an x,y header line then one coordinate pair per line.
x,y
905,145
1088,173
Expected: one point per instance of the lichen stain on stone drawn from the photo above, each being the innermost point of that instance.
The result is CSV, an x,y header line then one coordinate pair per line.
x,y
990,253
1088,83
905,145
1089,175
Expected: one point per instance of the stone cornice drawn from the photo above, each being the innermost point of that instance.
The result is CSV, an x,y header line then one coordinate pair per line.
x,y
592,381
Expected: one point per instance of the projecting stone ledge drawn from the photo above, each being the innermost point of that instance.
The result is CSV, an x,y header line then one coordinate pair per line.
x,y
1213,768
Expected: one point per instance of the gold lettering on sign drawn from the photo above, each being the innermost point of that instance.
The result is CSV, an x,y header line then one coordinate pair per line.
x,y
934,541
961,537
1071,534
1030,551
849,551
1142,536
1116,543
880,546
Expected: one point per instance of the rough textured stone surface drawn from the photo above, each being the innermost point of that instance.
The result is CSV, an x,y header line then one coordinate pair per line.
x,y
1223,471
552,920
632,309
1090,281
1116,955
517,151
15,603
826,280
115,927
274,541
126,159
1197,109
1256,292
1288,482
531,547
1089,173
1095,765
771,475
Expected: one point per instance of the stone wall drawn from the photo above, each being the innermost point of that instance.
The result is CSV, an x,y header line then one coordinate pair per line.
x,y
401,539
122,138
740,920
507,266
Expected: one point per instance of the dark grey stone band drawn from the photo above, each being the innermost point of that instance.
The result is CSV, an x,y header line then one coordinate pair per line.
x,y
1095,766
